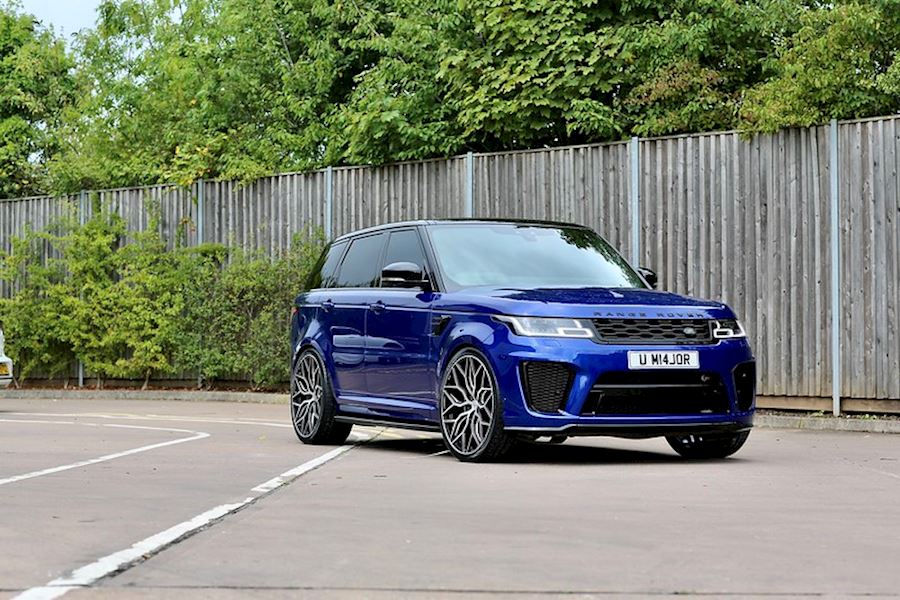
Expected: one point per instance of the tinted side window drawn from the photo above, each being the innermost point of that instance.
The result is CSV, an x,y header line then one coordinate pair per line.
x,y
332,260
323,274
360,266
404,246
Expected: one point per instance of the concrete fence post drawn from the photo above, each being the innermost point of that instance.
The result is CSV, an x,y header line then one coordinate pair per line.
x,y
201,210
82,219
635,188
470,185
329,202
834,166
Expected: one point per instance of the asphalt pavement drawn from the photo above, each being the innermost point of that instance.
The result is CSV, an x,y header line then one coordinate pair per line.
x,y
102,498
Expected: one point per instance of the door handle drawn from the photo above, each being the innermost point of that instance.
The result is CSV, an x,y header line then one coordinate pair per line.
x,y
378,307
327,305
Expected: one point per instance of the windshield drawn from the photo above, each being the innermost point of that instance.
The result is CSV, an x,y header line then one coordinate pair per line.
x,y
518,256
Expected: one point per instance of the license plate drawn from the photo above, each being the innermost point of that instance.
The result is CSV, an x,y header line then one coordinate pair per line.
x,y
4,370
688,359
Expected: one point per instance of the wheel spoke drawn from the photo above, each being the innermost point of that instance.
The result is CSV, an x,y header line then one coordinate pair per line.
x,y
459,428
456,397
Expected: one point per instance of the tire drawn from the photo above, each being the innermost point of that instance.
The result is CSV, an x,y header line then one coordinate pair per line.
x,y
468,392
312,402
706,446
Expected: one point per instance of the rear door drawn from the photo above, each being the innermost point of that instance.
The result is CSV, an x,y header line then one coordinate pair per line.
x,y
398,331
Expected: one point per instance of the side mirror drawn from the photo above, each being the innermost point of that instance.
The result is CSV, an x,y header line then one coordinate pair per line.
x,y
649,276
404,275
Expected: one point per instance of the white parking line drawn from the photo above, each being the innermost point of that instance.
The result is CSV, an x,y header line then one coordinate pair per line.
x,y
111,563
133,417
290,475
242,421
196,435
117,561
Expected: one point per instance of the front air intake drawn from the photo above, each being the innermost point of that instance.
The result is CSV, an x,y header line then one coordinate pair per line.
x,y
745,385
546,385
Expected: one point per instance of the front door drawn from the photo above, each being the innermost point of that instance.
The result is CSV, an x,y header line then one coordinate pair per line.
x,y
399,372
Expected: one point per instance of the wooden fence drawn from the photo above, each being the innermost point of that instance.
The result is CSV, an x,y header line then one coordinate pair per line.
x,y
750,221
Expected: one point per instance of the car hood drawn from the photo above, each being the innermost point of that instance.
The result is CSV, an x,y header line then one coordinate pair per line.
x,y
582,302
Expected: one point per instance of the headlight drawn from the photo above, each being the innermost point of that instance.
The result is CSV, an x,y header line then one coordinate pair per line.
x,y
544,327
726,329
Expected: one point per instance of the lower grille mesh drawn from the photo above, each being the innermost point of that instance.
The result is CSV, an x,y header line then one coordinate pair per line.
x,y
546,385
663,393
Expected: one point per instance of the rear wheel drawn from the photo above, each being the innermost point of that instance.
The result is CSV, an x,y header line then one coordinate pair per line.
x,y
312,403
472,410
702,445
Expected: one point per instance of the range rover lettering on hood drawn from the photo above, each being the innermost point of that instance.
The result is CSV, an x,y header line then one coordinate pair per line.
x,y
618,314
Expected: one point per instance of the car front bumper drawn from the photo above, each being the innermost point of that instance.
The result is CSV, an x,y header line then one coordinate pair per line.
x,y
588,360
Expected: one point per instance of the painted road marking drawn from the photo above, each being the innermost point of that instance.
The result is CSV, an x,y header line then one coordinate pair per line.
x,y
196,435
88,574
389,432
86,424
123,559
133,417
291,474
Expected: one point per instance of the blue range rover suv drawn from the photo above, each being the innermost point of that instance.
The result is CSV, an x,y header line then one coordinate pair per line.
x,y
498,331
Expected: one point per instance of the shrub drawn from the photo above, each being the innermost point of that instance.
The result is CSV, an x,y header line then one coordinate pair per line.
x,y
236,315
34,324
130,308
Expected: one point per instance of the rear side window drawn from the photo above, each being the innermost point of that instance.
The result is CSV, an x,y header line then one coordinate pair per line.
x,y
324,274
404,246
360,266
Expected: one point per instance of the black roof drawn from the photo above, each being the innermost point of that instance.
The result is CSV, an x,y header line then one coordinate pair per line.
x,y
427,222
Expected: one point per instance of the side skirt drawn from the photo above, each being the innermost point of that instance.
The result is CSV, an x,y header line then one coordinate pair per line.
x,y
387,423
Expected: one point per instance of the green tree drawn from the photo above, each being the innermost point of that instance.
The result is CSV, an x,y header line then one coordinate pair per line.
x,y
688,68
36,84
174,90
550,72
843,62
536,72
400,108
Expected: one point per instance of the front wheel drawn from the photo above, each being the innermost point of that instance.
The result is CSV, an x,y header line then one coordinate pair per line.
x,y
312,403
702,445
472,410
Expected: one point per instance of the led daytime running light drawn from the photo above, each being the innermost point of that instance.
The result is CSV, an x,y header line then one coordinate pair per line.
x,y
547,327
